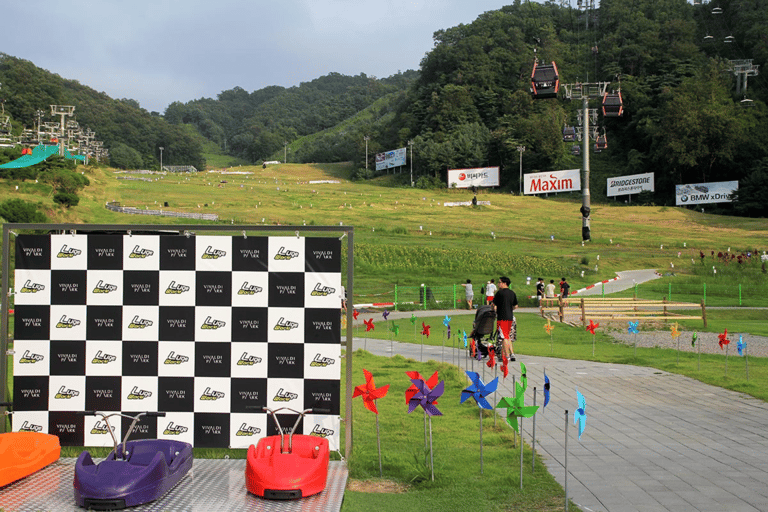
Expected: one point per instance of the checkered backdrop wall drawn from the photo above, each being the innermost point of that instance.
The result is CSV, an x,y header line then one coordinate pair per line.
x,y
203,328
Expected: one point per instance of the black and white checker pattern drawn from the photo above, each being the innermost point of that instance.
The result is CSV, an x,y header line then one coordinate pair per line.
x,y
200,327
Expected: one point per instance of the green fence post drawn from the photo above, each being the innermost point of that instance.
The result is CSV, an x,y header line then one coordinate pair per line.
x,y
603,289
395,297
454,297
739,294
424,298
705,294
635,290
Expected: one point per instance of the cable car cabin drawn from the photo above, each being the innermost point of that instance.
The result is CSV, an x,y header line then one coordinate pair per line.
x,y
545,82
601,143
569,134
613,106
576,150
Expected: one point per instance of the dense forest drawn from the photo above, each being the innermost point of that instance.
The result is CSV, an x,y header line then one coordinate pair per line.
x,y
470,104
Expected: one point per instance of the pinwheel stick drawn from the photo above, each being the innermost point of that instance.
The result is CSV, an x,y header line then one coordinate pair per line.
x,y
678,349
431,453
378,442
521,451
481,440
566,461
593,344
698,365
746,360
635,344
533,441
726,359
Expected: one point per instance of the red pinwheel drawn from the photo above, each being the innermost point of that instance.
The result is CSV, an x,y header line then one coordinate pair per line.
x,y
491,359
369,325
369,392
592,326
355,313
431,382
425,329
723,339
472,346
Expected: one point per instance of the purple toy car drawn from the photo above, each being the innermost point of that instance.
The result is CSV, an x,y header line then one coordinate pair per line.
x,y
134,472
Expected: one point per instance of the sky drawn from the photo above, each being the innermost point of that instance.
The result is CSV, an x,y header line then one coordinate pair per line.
x,y
160,51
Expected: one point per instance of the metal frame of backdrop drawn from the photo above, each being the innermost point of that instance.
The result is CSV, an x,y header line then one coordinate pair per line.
x,y
11,228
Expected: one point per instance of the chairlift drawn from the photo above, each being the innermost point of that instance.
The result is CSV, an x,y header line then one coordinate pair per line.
x,y
613,106
746,102
708,38
576,150
728,39
569,134
545,81
717,10
601,143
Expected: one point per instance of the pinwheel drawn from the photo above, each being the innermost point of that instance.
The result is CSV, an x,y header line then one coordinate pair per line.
x,y
549,328
591,328
491,358
413,318
723,339
425,329
516,407
431,382
580,416
427,399
369,325
370,394
355,313
472,347
523,377
394,328
478,390
674,330
741,345
449,332
632,329
447,321
385,314
504,366
547,387
465,338
693,339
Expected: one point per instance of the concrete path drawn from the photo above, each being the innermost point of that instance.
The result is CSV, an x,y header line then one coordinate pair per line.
x,y
623,281
654,441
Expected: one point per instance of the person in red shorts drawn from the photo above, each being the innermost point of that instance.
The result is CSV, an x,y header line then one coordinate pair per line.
x,y
505,303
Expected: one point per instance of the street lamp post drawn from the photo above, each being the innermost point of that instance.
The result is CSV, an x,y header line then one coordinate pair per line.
x,y
366,151
285,152
521,149
161,158
410,143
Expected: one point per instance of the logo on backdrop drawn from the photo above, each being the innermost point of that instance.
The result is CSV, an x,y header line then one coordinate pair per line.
x,y
67,323
322,291
101,428
30,287
66,394
247,430
101,358
138,252
249,289
174,358
28,358
284,396
209,323
176,289
213,254
246,360
319,431
102,287
322,361
68,252
174,430
30,427
285,325
211,395
138,394
285,254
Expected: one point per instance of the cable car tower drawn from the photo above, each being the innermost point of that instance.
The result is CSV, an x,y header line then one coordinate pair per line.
x,y
63,111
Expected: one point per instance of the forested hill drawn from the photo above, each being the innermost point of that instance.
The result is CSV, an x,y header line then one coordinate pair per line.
x,y
131,134
255,125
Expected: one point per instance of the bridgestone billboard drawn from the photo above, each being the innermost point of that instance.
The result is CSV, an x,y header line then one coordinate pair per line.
x,y
634,184
394,158
479,177
548,182
705,193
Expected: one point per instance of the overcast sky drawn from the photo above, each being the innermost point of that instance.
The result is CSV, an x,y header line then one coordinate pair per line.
x,y
161,51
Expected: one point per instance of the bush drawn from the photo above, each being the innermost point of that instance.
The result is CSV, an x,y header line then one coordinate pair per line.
x,y
66,199
17,210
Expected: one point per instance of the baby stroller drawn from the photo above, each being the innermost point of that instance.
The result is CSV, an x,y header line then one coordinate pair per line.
x,y
484,332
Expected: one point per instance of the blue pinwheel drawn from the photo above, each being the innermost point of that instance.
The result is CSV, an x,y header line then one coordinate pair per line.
x,y
426,397
580,416
447,321
632,329
465,338
546,388
479,390
741,345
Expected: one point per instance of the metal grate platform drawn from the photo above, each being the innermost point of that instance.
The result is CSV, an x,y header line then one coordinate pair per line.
x,y
211,485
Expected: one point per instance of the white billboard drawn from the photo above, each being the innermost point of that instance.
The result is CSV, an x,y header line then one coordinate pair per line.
x,y
634,184
555,181
478,177
705,193
394,158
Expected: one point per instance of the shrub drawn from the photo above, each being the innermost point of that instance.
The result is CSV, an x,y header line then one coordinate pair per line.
x,y
66,199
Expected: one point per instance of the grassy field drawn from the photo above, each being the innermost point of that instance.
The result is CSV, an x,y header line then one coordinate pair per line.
x,y
406,237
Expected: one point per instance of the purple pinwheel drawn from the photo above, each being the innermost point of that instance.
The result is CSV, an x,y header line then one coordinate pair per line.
x,y
385,314
478,390
426,397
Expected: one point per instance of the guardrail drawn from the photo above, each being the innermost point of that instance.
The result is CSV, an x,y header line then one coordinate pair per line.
x,y
115,207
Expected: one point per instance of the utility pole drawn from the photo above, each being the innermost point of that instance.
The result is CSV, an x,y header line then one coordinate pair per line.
x,y
161,158
584,92
410,143
521,150
366,151
285,152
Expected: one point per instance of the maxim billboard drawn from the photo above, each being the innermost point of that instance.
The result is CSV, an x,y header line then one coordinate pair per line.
x,y
555,181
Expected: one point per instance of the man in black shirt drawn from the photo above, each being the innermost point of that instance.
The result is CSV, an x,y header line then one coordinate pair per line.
x,y
505,303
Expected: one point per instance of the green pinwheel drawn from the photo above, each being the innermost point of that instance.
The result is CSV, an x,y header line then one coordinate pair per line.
x,y
516,407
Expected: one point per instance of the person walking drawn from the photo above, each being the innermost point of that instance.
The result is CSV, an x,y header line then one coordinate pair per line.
x,y
505,303
490,291
468,293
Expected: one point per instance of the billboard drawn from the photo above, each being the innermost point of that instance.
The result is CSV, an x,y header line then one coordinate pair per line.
x,y
394,158
705,193
478,177
555,181
634,184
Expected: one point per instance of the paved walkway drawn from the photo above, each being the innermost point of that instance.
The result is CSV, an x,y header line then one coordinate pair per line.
x,y
654,441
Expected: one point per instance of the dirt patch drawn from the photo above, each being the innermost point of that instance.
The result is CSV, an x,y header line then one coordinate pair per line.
x,y
383,486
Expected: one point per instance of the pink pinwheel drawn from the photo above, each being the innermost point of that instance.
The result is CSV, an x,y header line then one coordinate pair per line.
x,y
369,392
431,382
592,326
369,325
355,313
723,339
425,329
426,397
